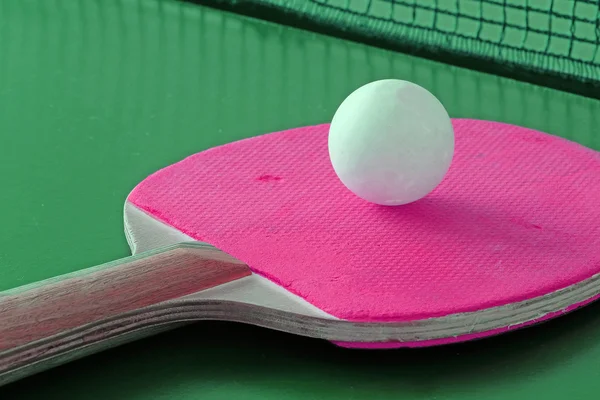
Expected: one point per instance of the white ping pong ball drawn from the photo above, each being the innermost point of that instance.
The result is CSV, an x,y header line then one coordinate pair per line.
x,y
391,142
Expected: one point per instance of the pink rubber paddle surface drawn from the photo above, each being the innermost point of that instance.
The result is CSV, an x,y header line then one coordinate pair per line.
x,y
517,216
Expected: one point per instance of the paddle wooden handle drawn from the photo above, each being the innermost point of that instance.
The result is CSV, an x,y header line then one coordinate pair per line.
x,y
40,311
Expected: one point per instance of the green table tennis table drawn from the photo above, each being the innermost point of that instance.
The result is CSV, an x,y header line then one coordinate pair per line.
x,y
95,95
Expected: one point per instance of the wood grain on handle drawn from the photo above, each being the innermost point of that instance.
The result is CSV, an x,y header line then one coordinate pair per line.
x,y
48,308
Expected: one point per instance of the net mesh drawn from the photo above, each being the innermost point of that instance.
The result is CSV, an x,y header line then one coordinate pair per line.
x,y
559,38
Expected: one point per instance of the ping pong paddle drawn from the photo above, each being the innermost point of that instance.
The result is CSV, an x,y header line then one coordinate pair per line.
x,y
262,231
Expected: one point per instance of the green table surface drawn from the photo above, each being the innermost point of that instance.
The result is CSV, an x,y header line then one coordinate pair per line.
x,y
97,94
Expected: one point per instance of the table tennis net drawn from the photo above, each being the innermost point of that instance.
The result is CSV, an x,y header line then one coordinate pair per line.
x,y
558,39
